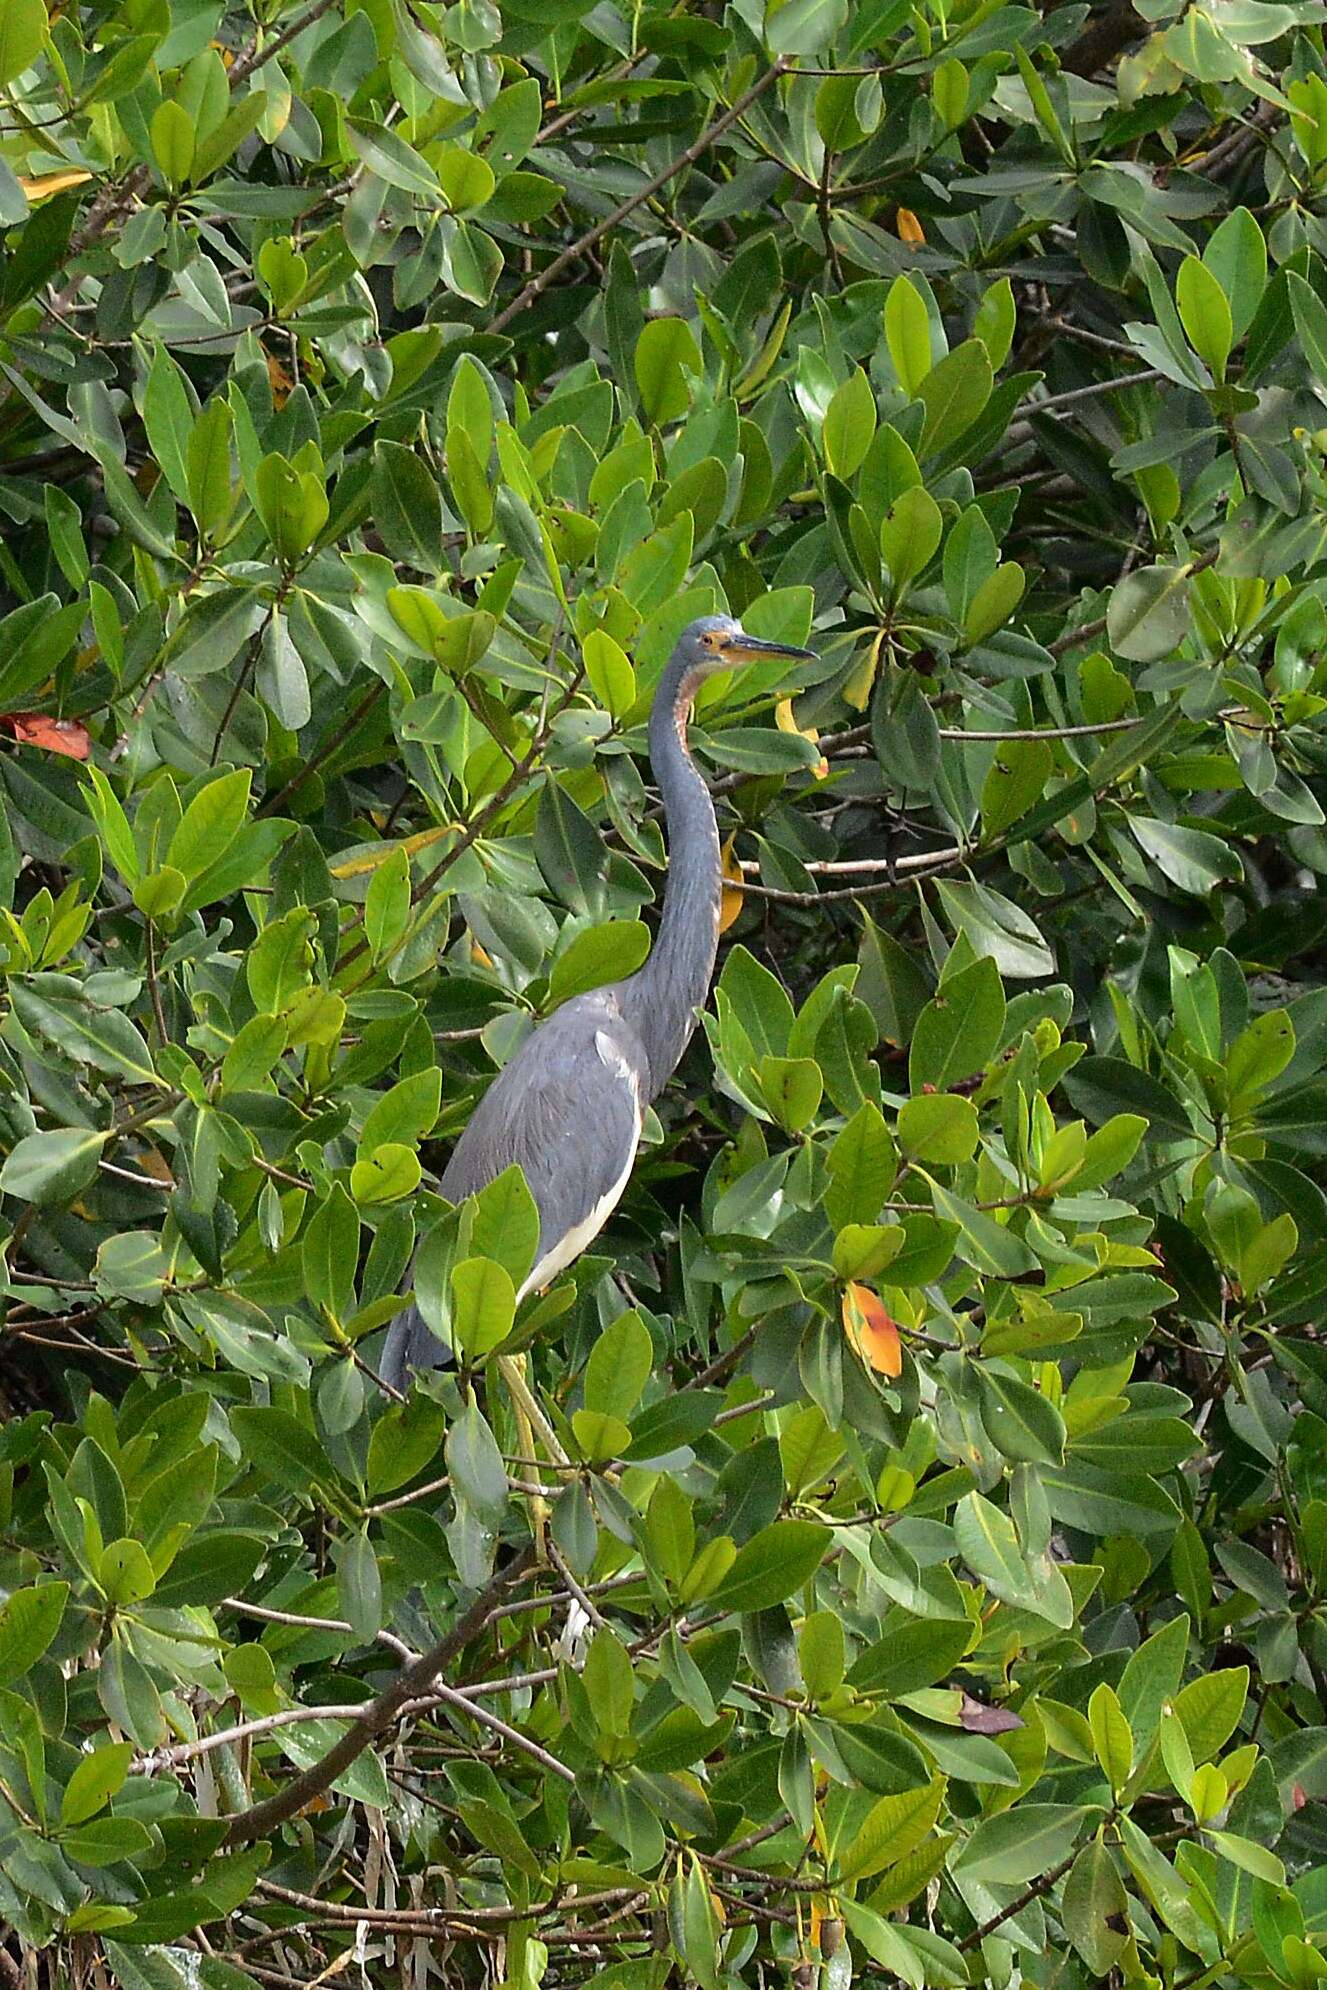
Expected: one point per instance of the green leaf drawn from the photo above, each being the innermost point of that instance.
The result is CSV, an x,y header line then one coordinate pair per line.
x,y
505,1225
210,823
1193,859
50,1168
168,417
666,354
29,1620
1148,615
997,929
483,1305
849,425
959,1030
954,393
910,536
1019,1845
597,955
172,141
1204,314
388,157
385,1174
1101,1087
1096,1908
772,1565
476,1465
938,1127
22,37
1023,1424
331,1254
102,1038
988,1543
908,334
105,808
609,1682
1015,780
1236,254
1111,1737
619,1366
95,1780
792,1088
892,1830
1209,1709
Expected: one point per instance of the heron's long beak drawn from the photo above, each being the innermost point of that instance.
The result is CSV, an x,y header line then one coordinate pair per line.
x,y
750,649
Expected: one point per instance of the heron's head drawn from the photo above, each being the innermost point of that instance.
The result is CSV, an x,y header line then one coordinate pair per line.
x,y
717,642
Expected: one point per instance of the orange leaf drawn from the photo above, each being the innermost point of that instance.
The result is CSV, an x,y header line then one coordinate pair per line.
x,y
67,736
871,1330
730,899
910,228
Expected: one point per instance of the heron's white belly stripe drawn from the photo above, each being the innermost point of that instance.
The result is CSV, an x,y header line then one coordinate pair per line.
x,y
570,1245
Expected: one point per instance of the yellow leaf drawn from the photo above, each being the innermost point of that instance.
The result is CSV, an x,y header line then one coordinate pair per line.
x,y
40,186
730,899
857,686
784,720
871,1329
370,860
477,954
910,228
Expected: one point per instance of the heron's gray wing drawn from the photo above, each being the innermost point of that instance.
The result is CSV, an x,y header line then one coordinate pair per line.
x,y
567,1110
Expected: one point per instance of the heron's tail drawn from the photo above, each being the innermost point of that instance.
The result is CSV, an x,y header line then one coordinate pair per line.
x,y
410,1345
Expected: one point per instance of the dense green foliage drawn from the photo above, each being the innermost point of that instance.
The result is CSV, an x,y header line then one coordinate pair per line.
x,y
906,1554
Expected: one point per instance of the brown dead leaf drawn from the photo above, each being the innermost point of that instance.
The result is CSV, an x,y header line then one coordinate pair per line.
x,y
282,382
978,1718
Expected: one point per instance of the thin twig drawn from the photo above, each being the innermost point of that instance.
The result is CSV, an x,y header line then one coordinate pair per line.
x,y
254,58
326,750
583,243
449,1697
1024,1899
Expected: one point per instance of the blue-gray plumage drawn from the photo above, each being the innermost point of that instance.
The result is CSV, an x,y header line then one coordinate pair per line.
x,y
569,1106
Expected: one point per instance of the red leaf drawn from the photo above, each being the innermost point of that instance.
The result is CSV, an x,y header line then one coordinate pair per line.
x,y
67,736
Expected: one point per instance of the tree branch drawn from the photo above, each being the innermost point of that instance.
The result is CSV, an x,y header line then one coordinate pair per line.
x,y
411,1681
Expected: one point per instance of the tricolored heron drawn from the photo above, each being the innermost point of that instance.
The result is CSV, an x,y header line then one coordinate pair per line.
x,y
569,1106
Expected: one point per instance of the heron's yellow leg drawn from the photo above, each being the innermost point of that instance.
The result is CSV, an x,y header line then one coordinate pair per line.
x,y
529,1420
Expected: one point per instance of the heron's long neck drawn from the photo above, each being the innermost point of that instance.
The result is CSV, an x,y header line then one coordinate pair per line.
x,y
664,1000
